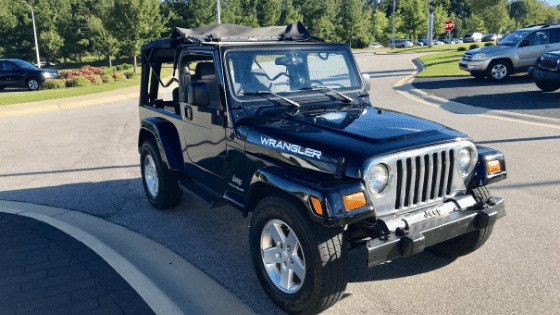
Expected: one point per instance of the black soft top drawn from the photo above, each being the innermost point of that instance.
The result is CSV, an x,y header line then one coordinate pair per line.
x,y
232,33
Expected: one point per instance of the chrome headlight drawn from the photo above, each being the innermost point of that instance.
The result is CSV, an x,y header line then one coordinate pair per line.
x,y
478,57
377,178
47,75
466,159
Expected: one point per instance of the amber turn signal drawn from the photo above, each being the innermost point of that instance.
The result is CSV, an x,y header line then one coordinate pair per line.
x,y
493,166
317,207
354,201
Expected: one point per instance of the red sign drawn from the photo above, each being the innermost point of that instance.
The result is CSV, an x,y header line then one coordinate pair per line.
x,y
449,25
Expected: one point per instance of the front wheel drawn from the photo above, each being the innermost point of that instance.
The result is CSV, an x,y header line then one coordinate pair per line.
x,y
32,84
547,86
498,70
160,184
302,266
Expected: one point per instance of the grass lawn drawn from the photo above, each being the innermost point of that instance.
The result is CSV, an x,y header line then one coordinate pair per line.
x,y
442,64
43,95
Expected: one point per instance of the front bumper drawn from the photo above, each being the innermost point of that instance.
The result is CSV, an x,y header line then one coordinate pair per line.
x,y
431,232
474,66
543,75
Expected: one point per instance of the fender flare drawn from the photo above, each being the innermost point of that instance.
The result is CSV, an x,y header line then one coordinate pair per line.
x,y
167,139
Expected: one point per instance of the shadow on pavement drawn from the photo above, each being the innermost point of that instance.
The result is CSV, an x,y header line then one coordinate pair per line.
x,y
213,239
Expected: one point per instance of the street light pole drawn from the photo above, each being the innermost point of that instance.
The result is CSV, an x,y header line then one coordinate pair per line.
x,y
34,34
393,37
218,13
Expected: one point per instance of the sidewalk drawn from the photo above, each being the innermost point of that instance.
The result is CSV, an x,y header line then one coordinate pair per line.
x,y
56,261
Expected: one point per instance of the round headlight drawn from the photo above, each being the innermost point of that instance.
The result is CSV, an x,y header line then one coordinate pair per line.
x,y
377,178
465,160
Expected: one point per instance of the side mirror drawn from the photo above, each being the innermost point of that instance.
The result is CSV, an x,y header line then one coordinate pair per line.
x,y
524,43
199,94
367,80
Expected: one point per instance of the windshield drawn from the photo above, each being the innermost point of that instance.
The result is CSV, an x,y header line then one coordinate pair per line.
x,y
513,38
290,71
24,64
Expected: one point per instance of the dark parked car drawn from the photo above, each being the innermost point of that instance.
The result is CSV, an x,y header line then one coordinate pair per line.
x,y
492,37
19,73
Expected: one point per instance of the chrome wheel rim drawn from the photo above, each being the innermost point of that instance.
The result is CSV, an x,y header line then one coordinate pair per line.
x,y
33,84
282,256
151,176
499,71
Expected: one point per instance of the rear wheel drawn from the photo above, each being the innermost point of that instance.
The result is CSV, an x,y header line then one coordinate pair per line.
x,y
32,84
301,265
499,70
466,243
160,184
547,86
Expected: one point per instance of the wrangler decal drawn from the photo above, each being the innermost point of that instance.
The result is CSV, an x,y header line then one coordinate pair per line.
x,y
282,145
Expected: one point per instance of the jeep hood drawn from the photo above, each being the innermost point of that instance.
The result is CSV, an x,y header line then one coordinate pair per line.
x,y
319,141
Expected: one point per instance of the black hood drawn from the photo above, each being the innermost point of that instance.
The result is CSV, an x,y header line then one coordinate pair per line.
x,y
321,140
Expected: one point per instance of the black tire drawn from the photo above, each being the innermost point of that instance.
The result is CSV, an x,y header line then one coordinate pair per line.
x,y
167,194
499,70
33,84
478,75
322,249
466,243
547,86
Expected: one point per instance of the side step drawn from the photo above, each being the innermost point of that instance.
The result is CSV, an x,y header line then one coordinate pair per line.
x,y
196,189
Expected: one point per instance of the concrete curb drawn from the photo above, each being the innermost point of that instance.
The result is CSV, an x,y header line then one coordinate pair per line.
x,y
405,88
166,282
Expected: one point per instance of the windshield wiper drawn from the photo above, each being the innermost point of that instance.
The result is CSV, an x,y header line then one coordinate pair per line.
x,y
346,98
287,100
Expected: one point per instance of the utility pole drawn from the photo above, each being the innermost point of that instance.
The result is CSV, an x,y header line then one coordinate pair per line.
x,y
34,34
393,37
218,13
429,35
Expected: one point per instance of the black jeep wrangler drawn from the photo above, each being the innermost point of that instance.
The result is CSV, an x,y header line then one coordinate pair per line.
x,y
276,122
547,71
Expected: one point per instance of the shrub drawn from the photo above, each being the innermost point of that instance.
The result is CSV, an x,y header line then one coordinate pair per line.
x,y
78,81
119,76
489,44
129,74
107,78
108,71
89,70
52,84
94,79
119,68
473,46
126,66
462,49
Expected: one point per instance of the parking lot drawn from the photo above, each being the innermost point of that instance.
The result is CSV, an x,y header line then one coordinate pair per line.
x,y
518,94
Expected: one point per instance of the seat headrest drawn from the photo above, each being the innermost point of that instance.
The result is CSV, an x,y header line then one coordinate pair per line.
x,y
204,70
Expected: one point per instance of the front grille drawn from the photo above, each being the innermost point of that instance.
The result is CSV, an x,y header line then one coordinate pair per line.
x,y
424,178
467,57
548,62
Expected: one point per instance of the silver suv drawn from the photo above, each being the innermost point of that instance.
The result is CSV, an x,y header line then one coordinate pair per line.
x,y
515,53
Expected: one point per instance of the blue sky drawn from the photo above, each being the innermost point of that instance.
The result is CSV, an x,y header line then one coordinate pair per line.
x,y
553,2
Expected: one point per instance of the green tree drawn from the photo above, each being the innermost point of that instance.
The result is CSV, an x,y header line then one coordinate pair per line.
x,y
50,43
414,16
268,11
440,16
174,12
380,23
355,20
232,12
201,12
494,13
102,41
290,13
134,22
